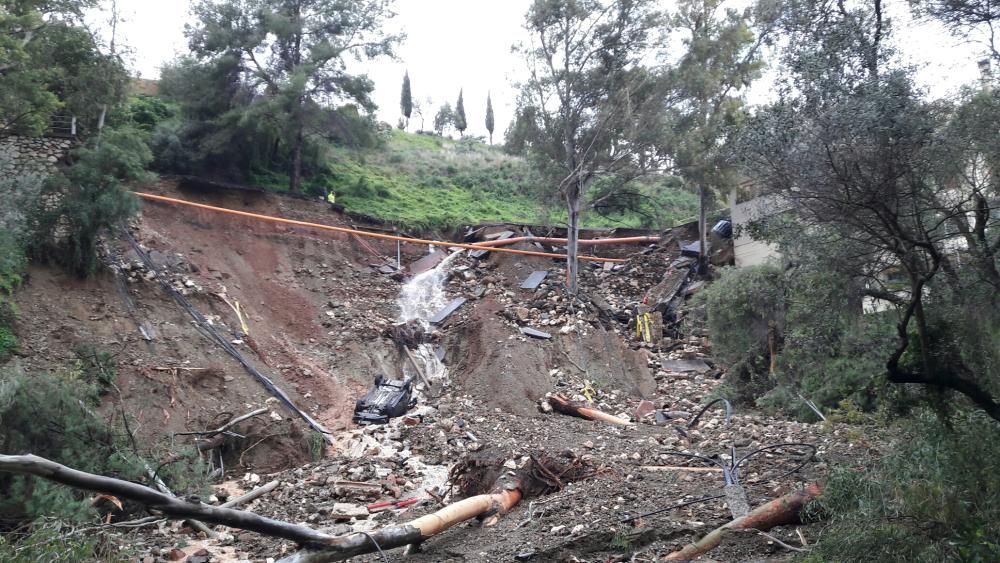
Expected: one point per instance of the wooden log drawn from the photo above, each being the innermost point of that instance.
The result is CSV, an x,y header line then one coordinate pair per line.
x,y
252,495
320,547
778,512
573,408
412,532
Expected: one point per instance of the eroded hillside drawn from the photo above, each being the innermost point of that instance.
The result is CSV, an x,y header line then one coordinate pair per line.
x,y
317,312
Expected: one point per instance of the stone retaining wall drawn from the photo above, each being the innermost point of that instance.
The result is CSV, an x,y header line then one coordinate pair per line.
x,y
31,155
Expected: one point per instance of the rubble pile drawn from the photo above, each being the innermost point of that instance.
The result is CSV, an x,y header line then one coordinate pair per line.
x,y
670,447
172,266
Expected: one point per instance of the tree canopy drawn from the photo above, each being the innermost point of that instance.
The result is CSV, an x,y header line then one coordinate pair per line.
x,y
489,116
289,58
50,62
406,98
459,120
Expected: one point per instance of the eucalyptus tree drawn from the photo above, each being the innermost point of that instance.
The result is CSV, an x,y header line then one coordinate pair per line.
x,y
723,54
591,107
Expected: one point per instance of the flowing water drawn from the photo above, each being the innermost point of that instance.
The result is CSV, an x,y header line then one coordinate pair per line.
x,y
419,300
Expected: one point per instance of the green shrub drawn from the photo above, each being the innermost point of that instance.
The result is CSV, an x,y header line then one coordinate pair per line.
x,y
146,112
12,266
48,542
75,209
746,309
51,416
935,498
827,351
8,342
96,367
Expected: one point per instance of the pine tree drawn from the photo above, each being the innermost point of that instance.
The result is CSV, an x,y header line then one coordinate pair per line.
x,y
460,122
405,100
489,116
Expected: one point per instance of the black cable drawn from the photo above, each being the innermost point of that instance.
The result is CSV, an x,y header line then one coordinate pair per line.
x,y
669,508
206,329
727,474
805,458
385,558
729,411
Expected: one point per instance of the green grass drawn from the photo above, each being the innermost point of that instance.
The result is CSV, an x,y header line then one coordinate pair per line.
x,y
425,180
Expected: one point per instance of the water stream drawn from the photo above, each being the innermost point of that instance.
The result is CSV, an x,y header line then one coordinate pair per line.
x,y
419,300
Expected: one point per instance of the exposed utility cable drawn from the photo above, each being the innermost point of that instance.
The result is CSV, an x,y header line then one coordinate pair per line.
x,y
223,343
322,227
628,519
729,411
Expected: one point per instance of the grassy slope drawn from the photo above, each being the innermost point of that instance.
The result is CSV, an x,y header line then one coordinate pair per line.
x,y
427,180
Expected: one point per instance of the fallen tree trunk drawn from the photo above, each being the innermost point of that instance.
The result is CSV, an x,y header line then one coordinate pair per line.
x,y
778,512
319,547
573,408
169,505
412,532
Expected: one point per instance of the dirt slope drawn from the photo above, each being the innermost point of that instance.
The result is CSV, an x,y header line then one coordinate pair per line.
x,y
318,319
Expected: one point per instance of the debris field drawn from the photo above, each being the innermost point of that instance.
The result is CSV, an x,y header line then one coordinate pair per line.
x,y
319,315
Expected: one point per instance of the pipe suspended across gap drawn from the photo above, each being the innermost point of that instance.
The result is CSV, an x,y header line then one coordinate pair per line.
x,y
322,227
580,242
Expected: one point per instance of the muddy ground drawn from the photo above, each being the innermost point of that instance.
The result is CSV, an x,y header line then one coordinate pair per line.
x,y
318,316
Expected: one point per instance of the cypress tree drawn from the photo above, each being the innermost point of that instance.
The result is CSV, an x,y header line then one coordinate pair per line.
x,y
405,99
460,122
489,116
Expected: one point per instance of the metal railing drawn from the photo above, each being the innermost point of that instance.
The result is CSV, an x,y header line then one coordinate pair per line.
x,y
61,125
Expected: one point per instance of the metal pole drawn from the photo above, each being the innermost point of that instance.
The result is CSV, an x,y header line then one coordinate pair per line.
x,y
399,260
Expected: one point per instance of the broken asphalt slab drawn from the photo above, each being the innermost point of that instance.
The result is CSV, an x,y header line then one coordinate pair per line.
x,y
698,366
447,311
527,331
427,262
534,279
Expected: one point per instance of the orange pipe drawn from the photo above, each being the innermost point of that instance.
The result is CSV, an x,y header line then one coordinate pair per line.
x,y
584,242
322,227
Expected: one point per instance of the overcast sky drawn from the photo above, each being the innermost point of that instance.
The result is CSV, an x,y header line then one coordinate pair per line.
x,y
454,44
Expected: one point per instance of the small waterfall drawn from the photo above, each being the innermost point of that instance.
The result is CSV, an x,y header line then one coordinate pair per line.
x,y
424,295
420,299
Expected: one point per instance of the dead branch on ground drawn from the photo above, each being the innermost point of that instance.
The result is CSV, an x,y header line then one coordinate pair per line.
x,y
226,426
171,506
320,547
778,512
